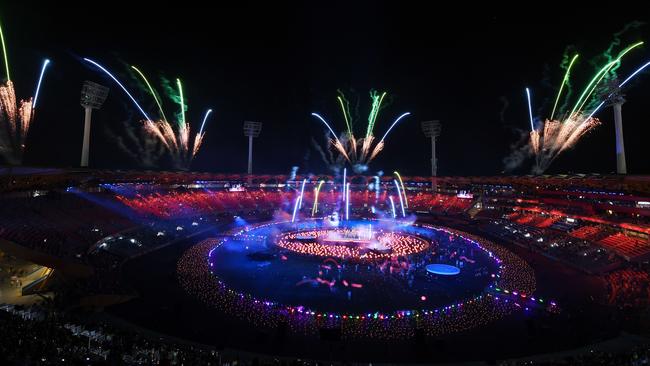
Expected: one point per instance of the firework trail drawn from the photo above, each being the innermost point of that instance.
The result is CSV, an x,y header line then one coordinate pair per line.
x,y
336,142
380,146
16,116
604,71
530,110
347,201
104,70
4,53
345,108
205,118
566,91
401,182
607,55
359,152
372,119
314,209
401,201
618,87
565,81
554,136
392,205
151,91
176,138
40,81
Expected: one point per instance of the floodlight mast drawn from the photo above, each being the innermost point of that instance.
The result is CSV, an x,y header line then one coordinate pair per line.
x,y
93,96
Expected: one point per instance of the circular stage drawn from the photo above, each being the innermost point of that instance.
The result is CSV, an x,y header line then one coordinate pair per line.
x,y
369,277
348,243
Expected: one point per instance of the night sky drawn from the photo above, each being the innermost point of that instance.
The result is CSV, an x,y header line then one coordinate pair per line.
x,y
277,63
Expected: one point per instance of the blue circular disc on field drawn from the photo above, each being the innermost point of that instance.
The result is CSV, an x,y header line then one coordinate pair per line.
x,y
285,263
443,269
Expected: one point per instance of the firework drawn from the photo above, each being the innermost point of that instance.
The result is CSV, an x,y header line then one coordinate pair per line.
x,y
530,110
554,136
401,201
298,201
205,118
359,152
345,172
565,80
40,80
406,202
152,91
295,209
302,191
16,116
591,87
392,205
347,201
337,142
146,116
380,146
182,103
4,53
176,138
619,87
314,209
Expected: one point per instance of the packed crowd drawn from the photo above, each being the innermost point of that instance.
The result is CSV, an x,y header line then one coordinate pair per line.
x,y
579,253
629,288
174,204
171,205
60,225
40,336
639,356
627,246
444,203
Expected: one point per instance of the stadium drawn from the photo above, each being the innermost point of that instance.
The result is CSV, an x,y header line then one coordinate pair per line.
x,y
185,254
296,183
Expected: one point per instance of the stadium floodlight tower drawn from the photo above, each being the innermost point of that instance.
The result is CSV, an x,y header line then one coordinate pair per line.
x,y
252,130
432,129
616,99
93,96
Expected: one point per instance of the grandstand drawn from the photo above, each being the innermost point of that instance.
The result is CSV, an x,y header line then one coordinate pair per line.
x,y
628,247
